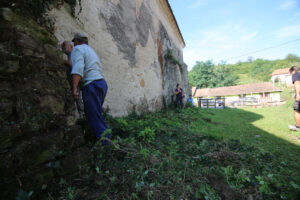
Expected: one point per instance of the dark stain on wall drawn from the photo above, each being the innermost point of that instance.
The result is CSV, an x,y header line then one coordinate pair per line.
x,y
121,30
160,59
127,28
144,25
169,71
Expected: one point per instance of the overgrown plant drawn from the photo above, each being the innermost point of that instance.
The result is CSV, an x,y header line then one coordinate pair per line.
x,y
169,56
73,4
161,156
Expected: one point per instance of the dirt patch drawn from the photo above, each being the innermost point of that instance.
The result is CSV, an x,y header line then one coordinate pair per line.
x,y
222,155
223,188
212,122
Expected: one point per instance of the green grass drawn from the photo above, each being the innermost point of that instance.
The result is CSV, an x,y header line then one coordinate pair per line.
x,y
195,153
263,128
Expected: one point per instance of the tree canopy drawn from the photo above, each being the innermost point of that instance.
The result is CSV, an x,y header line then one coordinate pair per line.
x,y
208,75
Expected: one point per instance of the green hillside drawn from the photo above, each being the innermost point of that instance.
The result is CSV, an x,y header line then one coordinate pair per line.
x,y
259,70
251,71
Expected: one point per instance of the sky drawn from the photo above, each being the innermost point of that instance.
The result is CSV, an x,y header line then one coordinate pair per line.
x,y
223,30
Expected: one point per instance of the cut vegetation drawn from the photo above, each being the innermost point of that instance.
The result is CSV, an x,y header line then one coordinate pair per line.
x,y
193,154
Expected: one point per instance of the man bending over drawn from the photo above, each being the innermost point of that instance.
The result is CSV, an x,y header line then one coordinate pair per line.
x,y
87,68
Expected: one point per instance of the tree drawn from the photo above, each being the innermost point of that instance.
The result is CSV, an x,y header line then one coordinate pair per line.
x,y
223,76
292,58
260,69
207,75
202,75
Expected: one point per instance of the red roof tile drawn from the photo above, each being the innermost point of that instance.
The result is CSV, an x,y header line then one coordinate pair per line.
x,y
280,71
237,90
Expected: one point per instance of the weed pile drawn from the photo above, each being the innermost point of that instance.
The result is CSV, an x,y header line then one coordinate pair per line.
x,y
156,156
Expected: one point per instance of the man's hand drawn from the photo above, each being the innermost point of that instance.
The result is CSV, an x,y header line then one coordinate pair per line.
x,y
75,80
297,98
75,94
67,62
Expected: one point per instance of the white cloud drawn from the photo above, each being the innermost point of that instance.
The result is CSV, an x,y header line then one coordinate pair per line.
x,y
198,3
288,4
294,18
217,43
249,36
288,31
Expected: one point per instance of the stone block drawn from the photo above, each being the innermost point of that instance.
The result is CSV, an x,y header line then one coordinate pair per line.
x,y
71,120
4,52
26,42
36,178
74,137
8,134
6,107
9,67
7,14
38,150
53,103
74,161
6,167
5,140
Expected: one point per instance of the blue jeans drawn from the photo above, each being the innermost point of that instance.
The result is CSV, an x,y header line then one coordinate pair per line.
x,y
93,96
178,101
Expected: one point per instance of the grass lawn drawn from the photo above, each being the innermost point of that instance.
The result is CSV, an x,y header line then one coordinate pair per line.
x,y
263,128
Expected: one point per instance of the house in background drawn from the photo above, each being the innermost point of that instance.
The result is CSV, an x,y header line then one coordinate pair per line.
x,y
282,76
262,92
193,91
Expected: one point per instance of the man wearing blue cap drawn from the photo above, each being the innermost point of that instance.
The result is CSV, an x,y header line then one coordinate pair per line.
x,y
87,69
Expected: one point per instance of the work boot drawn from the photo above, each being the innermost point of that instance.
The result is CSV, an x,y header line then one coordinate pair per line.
x,y
294,128
105,135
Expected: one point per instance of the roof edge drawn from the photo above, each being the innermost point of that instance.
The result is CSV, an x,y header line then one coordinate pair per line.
x,y
175,21
207,90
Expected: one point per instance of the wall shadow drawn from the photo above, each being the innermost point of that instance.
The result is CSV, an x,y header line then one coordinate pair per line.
x,y
237,124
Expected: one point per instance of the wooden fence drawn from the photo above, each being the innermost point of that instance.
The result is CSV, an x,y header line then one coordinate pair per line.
x,y
211,103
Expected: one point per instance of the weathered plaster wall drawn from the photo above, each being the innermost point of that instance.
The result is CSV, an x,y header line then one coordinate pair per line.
x,y
131,38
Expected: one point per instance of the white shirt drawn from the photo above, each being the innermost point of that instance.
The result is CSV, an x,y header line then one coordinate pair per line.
x,y
86,64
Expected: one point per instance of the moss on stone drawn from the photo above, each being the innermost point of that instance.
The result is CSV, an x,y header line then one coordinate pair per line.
x,y
29,26
43,157
37,178
5,142
35,31
43,178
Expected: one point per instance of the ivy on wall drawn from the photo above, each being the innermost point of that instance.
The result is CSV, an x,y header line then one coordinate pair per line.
x,y
169,56
73,4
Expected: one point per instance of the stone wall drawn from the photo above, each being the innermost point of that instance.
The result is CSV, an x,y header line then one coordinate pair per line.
x,y
131,38
39,139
